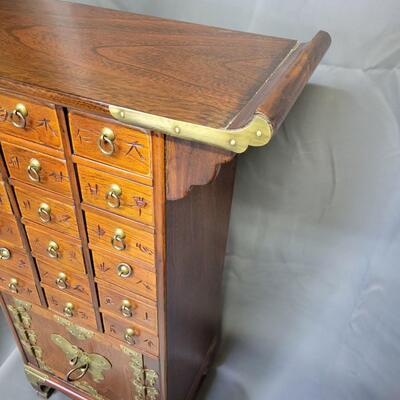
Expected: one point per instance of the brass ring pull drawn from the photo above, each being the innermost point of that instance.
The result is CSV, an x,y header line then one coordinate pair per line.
x,y
105,142
69,310
33,170
126,308
124,270
61,281
13,285
52,250
113,197
83,369
130,335
118,240
18,116
5,254
44,212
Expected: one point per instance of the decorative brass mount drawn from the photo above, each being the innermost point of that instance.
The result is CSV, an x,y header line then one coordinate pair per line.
x,y
257,133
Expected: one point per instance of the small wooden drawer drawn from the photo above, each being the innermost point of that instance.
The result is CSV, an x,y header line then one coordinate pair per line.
x,y
133,308
16,285
58,250
65,280
120,238
29,120
14,260
9,232
37,169
70,307
124,273
39,207
5,206
110,143
131,334
118,195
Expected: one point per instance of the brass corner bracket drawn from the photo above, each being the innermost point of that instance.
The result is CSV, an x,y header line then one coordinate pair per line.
x,y
257,133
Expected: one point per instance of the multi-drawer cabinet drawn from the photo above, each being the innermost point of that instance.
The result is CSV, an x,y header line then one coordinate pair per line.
x,y
118,141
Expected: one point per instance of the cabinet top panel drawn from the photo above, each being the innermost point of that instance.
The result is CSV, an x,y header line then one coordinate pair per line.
x,y
89,55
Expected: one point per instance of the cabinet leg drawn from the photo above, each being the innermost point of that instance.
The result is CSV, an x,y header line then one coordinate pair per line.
x,y
37,379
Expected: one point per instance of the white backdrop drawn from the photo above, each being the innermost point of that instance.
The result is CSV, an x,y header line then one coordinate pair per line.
x,y
312,277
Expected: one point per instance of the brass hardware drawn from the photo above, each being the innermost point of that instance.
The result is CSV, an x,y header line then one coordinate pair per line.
x,y
61,281
18,116
124,270
38,380
52,249
44,212
5,254
130,335
105,142
69,310
33,170
83,369
118,240
126,308
13,285
257,133
113,196
75,330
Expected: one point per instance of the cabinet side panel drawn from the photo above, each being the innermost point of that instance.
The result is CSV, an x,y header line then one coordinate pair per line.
x,y
197,229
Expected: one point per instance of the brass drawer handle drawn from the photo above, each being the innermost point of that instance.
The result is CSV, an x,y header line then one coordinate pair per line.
x,y
113,197
105,142
52,250
82,371
124,270
5,254
44,212
33,170
18,116
118,240
69,310
13,285
126,308
130,335
61,281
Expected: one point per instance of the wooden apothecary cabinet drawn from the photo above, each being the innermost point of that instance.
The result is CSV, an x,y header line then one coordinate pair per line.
x,y
118,136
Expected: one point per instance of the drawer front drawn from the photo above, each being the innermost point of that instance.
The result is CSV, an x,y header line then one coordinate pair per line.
x,y
5,206
118,195
39,125
70,307
120,239
128,306
131,334
14,260
111,144
16,285
37,169
124,273
39,207
9,232
58,250
65,280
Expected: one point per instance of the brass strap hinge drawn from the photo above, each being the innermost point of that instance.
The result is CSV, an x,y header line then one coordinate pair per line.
x,y
257,133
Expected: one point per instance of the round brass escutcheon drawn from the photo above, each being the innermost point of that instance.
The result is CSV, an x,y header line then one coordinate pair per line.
x,y
130,335
124,270
5,254
61,281
113,196
18,116
52,249
69,310
13,285
77,373
44,212
105,142
118,240
33,170
126,308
